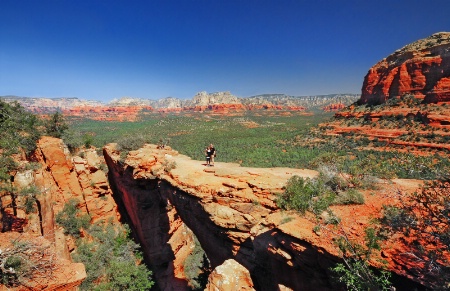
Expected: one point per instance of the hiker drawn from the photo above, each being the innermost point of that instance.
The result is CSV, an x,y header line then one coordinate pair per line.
x,y
213,154
208,156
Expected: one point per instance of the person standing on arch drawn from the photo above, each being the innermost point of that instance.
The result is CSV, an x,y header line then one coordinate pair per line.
x,y
208,156
212,153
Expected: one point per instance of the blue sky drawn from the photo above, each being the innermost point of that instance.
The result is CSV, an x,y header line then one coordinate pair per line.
x,y
106,49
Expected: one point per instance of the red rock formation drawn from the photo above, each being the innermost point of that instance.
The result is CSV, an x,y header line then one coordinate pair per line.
x,y
65,178
108,113
416,80
334,107
231,210
421,69
133,113
59,179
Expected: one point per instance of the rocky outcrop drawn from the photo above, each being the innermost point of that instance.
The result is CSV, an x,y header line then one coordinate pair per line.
x,y
64,177
58,178
205,99
421,69
230,276
232,212
334,107
405,101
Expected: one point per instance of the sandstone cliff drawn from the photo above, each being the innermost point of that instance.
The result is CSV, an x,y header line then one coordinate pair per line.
x,y
59,178
232,212
421,68
405,101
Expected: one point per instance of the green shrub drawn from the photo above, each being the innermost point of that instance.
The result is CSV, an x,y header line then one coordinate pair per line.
x,y
56,125
126,275
73,140
28,195
305,194
20,129
351,196
88,140
356,272
71,219
112,260
131,142
424,219
197,267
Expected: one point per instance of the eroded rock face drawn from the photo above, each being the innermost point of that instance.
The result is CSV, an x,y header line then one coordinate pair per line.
x,y
59,178
232,212
421,68
64,177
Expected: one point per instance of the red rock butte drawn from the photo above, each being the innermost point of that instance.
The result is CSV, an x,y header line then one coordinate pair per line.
x,y
421,68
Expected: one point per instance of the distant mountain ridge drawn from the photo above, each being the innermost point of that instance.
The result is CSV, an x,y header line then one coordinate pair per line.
x,y
201,99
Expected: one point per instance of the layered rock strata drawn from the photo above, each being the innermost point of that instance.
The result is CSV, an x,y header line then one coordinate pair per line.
x,y
421,68
232,212
59,178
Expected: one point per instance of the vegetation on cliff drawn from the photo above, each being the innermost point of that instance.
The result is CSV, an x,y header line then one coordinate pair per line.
x,y
423,218
113,261
117,264
20,131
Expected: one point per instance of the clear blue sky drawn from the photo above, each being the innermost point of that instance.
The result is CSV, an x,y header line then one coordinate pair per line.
x,y
105,49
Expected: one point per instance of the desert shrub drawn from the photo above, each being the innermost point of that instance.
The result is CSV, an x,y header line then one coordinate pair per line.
x,y
197,267
22,263
19,133
28,195
331,218
112,260
333,180
88,140
424,218
351,196
71,219
104,167
356,272
56,125
397,218
302,194
411,101
20,129
73,140
131,142
393,102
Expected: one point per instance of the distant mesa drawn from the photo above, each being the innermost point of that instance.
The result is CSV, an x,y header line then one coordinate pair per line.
x,y
130,109
421,68
334,107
